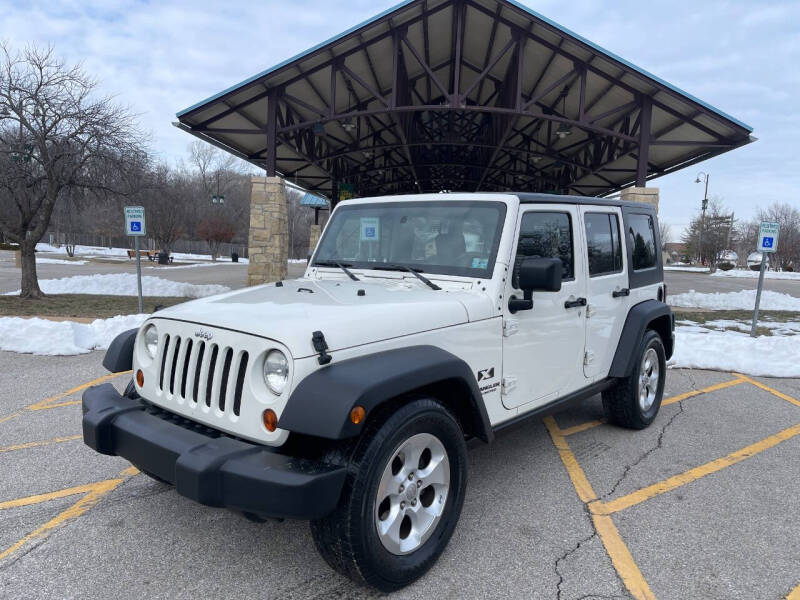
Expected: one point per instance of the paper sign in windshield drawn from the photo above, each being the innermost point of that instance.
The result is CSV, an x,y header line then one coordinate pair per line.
x,y
370,229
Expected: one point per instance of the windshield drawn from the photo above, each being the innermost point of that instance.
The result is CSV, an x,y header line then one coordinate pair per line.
x,y
448,237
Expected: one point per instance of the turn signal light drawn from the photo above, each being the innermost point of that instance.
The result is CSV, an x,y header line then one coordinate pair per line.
x,y
357,414
140,378
270,420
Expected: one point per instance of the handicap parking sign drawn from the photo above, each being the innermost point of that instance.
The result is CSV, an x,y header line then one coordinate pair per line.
x,y
134,221
768,236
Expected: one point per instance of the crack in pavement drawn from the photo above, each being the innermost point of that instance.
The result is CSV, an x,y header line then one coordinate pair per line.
x,y
566,555
657,446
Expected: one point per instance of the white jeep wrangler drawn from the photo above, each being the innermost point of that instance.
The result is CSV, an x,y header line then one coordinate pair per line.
x,y
347,396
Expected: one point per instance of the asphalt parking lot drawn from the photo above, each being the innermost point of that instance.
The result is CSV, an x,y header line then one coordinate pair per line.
x,y
703,504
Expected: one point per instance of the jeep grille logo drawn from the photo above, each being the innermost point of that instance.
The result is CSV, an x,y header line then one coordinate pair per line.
x,y
206,335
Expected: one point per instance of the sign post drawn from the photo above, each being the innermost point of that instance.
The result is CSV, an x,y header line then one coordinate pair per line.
x,y
767,243
134,227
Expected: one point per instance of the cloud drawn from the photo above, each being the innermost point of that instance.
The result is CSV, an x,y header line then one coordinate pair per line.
x,y
161,57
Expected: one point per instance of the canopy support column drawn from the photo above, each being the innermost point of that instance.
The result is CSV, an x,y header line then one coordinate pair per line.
x,y
644,141
268,239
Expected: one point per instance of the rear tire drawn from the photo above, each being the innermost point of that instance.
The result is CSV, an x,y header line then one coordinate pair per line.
x,y
402,498
635,400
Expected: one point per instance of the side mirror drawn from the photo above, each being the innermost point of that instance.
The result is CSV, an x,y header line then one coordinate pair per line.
x,y
540,274
536,275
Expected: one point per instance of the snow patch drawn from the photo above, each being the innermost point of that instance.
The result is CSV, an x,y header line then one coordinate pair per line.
x,y
124,284
62,338
748,274
58,261
743,300
767,356
687,269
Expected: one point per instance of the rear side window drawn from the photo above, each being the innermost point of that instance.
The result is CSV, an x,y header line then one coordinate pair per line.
x,y
602,243
545,235
642,238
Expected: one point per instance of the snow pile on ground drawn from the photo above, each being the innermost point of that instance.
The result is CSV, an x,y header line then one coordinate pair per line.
x,y
62,338
124,284
748,274
296,260
743,300
770,356
676,267
58,261
242,261
83,250
122,253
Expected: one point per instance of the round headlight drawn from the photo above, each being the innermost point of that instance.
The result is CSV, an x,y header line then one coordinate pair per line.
x,y
151,340
276,371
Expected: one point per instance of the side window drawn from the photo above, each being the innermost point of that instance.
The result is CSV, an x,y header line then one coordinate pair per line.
x,y
642,238
545,235
602,243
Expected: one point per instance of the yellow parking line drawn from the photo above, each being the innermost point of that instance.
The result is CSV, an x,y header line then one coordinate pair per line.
x,y
582,427
50,402
666,402
621,558
620,555
705,390
582,486
37,498
794,594
772,391
27,445
93,493
676,481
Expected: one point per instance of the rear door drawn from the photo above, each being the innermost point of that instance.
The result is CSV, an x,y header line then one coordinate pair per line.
x,y
608,295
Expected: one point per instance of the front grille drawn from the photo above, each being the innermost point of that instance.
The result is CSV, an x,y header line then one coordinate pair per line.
x,y
199,371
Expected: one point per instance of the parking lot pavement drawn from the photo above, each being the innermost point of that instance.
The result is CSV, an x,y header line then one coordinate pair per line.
x,y
679,282
703,504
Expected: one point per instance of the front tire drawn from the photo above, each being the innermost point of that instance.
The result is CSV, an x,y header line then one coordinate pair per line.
x,y
402,498
635,400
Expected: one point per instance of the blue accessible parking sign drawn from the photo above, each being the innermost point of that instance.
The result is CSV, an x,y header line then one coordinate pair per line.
x,y
768,236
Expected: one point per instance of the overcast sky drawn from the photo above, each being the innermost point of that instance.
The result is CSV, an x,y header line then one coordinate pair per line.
x,y
740,56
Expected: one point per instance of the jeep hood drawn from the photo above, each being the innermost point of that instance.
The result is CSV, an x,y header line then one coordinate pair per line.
x,y
291,313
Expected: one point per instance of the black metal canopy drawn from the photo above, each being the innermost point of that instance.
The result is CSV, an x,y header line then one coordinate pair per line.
x,y
462,95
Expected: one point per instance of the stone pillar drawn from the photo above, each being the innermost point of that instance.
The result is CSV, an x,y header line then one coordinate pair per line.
x,y
313,237
646,195
269,231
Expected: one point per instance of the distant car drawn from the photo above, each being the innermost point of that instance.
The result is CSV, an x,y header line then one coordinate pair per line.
x,y
727,260
754,261
347,396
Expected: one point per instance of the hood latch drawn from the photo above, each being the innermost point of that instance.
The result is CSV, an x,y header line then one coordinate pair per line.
x,y
321,346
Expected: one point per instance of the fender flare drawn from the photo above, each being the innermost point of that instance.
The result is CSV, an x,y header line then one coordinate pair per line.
x,y
650,313
119,356
320,405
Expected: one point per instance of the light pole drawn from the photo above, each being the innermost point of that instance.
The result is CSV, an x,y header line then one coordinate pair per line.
x,y
700,177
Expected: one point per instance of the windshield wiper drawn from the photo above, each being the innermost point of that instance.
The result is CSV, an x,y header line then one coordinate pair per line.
x,y
414,272
343,267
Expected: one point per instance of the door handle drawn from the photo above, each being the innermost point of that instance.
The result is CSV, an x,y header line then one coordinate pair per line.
x,y
575,303
622,292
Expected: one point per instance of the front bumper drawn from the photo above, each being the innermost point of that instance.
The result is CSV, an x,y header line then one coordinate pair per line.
x,y
206,466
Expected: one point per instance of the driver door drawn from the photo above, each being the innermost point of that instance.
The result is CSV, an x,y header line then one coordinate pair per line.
x,y
543,347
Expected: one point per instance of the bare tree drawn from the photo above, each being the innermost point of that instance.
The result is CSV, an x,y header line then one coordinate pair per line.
x,y
56,136
787,256
716,232
665,232
216,230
